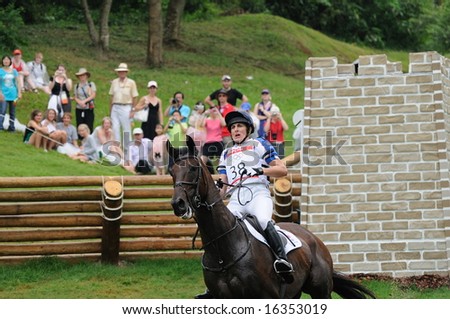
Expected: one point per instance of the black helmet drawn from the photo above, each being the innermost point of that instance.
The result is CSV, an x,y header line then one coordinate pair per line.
x,y
239,117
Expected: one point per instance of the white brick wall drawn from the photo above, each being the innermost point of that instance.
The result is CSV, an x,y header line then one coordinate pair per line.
x,y
376,184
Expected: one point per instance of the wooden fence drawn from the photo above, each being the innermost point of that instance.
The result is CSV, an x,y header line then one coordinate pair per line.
x,y
65,217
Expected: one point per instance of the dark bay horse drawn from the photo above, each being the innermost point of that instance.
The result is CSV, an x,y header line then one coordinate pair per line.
x,y
235,264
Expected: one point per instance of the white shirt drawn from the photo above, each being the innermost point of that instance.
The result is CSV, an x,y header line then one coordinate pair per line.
x,y
140,152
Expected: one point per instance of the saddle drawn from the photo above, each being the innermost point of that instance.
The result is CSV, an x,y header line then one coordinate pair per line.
x,y
290,241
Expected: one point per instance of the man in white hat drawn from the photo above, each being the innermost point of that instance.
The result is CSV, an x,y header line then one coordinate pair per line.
x,y
138,153
124,95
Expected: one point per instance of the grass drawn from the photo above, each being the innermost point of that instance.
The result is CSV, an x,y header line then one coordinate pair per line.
x,y
51,278
258,51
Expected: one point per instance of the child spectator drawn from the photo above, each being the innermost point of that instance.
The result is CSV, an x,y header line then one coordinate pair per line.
x,y
159,155
38,78
176,129
21,67
274,128
194,130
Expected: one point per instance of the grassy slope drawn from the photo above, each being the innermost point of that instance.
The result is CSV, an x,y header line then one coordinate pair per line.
x,y
270,49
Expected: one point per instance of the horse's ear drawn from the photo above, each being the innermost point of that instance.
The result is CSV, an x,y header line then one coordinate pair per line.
x,y
173,152
191,145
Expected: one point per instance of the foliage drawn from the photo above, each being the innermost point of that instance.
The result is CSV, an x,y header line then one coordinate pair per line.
x,y
11,24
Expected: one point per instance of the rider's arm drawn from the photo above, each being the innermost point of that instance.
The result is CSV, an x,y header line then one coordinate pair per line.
x,y
277,169
223,190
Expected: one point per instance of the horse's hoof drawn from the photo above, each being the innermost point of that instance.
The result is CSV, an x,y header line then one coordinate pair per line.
x,y
205,295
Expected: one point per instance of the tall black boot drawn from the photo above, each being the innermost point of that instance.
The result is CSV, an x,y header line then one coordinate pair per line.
x,y
282,266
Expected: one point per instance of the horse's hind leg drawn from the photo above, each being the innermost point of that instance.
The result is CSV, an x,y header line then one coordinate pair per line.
x,y
320,283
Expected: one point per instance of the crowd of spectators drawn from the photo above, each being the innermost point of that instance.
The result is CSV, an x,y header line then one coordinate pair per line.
x,y
140,150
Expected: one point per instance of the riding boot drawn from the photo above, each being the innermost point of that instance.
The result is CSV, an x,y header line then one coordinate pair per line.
x,y
282,266
205,295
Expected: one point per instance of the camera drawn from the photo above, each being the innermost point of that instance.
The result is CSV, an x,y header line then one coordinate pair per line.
x,y
174,101
171,123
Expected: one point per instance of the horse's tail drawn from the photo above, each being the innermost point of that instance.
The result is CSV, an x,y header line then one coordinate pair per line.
x,y
350,289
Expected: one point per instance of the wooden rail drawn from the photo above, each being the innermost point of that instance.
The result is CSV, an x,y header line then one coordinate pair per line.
x,y
62,216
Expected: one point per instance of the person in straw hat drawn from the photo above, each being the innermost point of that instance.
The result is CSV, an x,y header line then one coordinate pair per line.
x,y
124,95
84,95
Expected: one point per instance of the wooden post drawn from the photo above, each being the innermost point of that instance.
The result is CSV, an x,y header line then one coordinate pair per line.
x,y
112,213
283,200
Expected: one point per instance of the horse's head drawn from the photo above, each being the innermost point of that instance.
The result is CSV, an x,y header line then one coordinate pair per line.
x,y
188,178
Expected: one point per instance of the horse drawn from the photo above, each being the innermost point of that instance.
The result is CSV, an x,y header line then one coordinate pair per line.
x,y
237,265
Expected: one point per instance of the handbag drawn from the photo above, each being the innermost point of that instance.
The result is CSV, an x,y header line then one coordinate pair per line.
x,y
141,115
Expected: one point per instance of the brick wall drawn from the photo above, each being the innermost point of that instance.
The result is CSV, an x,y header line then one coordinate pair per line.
x,y
376,184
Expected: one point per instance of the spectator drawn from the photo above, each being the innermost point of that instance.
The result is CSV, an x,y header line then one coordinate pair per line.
x,y
139,152
60,86
233,94
124,93
159,155
10,91
84,96
34,131
155,114
275,127
194,130
176,129
213,122
225,108
88,150
55,136
246,107
260,108
71,131
38,78
21,67
176,104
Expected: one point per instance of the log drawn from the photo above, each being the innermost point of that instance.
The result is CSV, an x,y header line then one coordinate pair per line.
x,y
292,159
72,220
50,234
49,248
112,213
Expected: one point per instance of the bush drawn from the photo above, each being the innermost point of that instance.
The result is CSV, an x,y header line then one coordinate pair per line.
x,y
11,24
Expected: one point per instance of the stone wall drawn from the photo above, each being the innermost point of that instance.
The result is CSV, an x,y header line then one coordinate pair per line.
x,y
375,170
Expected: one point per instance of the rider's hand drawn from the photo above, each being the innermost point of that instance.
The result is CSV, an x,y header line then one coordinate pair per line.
x,y
254,171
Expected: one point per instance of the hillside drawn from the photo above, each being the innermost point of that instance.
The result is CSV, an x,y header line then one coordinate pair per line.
x,y
258,51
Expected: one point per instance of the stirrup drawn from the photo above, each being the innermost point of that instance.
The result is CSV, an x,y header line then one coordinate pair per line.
x,y
282,266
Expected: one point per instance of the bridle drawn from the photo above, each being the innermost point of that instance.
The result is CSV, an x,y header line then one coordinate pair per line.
x,y
196,201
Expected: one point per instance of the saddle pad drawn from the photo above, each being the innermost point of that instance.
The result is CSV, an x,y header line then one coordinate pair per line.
x,y
290,241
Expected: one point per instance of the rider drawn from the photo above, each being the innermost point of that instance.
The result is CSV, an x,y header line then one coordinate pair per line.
x,y
247,164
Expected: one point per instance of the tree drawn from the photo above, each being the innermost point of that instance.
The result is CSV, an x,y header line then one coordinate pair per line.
x,y
155,34
173,21
100,39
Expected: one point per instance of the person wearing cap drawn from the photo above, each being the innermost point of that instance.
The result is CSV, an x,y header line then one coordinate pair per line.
x,y
233,94
10,91
38,78
139,152
274,128
124,93
247,107
224,108
21,67
60,86
260,110
244,169
84,94
154,105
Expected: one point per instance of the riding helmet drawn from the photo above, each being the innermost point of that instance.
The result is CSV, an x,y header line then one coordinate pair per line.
x,y
239,117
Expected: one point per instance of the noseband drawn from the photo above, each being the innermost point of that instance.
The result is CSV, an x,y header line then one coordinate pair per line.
x,y
196,202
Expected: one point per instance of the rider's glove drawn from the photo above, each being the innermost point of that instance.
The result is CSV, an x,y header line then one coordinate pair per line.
x,y
254,171
219,183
